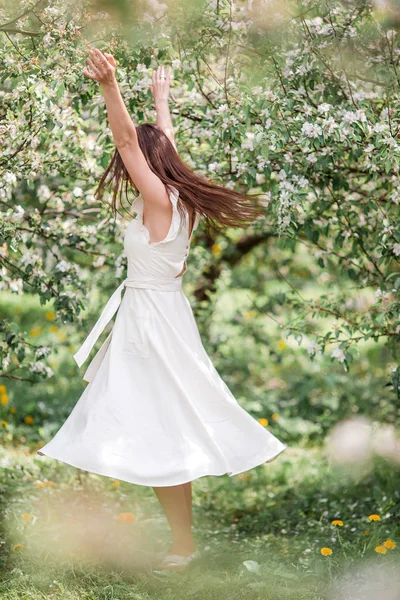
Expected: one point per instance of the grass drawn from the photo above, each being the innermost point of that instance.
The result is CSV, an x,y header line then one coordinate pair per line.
x,y
73,535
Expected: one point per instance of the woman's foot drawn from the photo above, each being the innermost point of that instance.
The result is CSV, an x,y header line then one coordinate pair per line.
x,y
182,549
177,562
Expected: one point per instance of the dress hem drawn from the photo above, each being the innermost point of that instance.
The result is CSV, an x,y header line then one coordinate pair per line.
x,y
193,477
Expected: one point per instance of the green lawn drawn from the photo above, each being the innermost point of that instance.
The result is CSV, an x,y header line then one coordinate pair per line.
x,y
82,536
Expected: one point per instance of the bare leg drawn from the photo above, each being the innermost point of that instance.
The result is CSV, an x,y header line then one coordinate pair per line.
x,y
174,501
188,496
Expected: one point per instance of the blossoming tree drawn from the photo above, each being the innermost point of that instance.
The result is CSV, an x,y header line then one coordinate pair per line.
x,y
299,103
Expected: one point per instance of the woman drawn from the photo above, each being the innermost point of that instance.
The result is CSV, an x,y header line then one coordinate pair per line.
x,y
156,411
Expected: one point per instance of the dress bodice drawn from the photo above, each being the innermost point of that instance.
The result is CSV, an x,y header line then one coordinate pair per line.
x,y
164,259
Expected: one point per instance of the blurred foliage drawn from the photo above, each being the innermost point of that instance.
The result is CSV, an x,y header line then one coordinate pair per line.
x,y
300,103
261,532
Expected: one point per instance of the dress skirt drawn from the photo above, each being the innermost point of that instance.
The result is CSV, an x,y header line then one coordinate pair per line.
x,y
155,411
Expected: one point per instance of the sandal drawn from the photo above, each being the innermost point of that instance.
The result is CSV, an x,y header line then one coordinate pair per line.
x,y
177,561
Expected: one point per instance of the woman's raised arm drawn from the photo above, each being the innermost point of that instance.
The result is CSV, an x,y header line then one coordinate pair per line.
x,y
102,69
160,92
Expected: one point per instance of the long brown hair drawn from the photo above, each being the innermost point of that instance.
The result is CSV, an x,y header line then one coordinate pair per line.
x,y
217,204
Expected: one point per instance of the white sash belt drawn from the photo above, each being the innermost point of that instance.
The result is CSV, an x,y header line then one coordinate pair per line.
x,y
168,284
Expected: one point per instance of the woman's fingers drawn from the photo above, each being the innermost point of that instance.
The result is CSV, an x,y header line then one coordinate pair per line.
x,y
101,67
92,66
110,59
86,72
98,56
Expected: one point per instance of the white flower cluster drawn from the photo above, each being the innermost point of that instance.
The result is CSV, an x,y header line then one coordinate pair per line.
x,y
99,262
16,285
350,116
319,26
119,265
43,193
339,354
396,249
41,368
313,348
18,214
42,352
311,130
30,258
63,266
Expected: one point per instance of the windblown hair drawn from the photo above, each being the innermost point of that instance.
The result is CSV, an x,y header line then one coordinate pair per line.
x,y
217,204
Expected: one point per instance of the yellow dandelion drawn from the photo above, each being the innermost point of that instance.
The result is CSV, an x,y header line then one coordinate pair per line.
x,y
18,547
389,544
4,424
3,389
41,484
281,345
204,495
62,336
380,549
4,399
366,532
35,331
326,551
29,419
116,483
275,416
249,314
126,517
337,522
50,315
13,410
26,516
263,421
374,518
54,329
216,249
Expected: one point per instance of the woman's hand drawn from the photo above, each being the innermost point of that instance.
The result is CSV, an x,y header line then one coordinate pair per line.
x,y
101,67
160,87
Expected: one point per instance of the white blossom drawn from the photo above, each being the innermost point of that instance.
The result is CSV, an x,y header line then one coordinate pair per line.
x,y
43,193
63,266
354,116
18,214
77,192
10,178
311,130
223,108
16,285
313,347
324,107
99,262
339,354
41,368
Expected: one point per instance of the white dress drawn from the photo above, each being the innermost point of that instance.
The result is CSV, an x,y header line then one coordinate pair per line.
x,y
155,411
